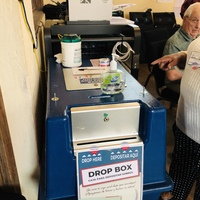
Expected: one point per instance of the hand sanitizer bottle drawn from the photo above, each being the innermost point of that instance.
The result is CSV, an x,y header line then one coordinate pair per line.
x,y
113,81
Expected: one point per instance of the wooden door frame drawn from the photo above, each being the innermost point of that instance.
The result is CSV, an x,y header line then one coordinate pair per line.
x,y
9,180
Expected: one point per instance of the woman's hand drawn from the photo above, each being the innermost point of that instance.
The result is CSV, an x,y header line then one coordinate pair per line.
x,y
167,62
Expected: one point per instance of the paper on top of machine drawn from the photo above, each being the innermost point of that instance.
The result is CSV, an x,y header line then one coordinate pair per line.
x,y
122,6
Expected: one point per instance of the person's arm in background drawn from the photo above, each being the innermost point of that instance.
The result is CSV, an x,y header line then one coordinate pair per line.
x,y
173,74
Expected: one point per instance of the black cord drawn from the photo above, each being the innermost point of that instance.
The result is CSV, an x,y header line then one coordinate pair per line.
x,y
24,10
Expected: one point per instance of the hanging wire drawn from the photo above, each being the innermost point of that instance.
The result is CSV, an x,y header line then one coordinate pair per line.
x,y
27,23
123,56
35,46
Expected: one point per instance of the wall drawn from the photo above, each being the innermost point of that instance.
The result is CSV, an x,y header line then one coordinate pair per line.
x,y
143,5
20,85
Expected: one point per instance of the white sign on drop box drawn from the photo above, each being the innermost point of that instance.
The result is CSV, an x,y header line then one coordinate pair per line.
x,y
110,173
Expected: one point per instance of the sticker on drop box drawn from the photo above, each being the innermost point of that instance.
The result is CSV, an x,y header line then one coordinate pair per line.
x,y
110,171
89,80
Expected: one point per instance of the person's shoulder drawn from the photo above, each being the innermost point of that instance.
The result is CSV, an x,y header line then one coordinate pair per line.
x,y
174,43
196,42
175,36
194,47
179,36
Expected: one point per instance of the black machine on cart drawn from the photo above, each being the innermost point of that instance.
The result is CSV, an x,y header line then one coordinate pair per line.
x,y
97,40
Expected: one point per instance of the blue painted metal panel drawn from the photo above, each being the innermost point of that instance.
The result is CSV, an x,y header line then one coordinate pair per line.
x,y
59,171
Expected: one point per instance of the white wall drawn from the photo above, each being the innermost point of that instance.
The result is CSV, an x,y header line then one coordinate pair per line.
x,y
19,81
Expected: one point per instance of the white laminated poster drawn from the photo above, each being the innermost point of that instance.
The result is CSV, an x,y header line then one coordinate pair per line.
x,y
110,173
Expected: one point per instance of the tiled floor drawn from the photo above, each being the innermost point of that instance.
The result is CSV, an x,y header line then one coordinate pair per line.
x,y
171,113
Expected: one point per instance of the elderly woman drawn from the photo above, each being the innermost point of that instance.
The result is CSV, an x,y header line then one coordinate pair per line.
x,y
185,164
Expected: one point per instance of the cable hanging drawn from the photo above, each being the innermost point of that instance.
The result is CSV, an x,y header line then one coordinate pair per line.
x,y
27,23
122,56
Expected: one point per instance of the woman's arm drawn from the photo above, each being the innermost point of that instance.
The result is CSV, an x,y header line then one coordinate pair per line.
x,y
167,62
